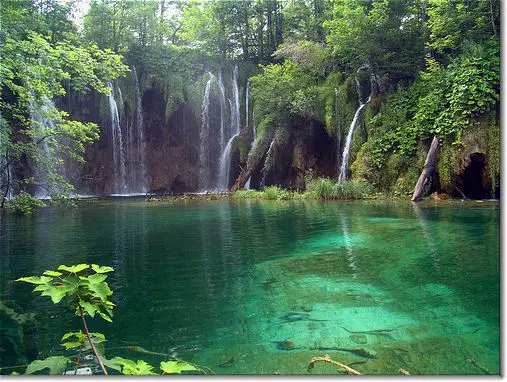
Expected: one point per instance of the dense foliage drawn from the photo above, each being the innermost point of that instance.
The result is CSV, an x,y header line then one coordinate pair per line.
x,y
42,60
432,68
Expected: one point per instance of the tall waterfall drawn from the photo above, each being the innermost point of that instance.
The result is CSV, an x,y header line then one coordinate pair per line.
x,y
345,157
247,184
204,154
120,185
141,144
235,112
46,161
221,87
225,157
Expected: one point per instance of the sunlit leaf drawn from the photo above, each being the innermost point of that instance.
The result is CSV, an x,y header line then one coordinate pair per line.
x,y
176,367
88,307
105,317
56,293
35,279
97,278
74,268
101,290
101,269
52,273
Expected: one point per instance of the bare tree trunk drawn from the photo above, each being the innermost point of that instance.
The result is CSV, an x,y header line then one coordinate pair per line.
x,y
427,169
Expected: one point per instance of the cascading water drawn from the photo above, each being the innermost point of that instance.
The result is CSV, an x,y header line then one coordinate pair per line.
x,y
204,138
235,112
141,144
120,186
247,184
45,160
221,87
225,157
224,165
343,169
269,158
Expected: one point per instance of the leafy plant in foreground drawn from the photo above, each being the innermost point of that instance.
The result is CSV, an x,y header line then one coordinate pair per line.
x,y
84,289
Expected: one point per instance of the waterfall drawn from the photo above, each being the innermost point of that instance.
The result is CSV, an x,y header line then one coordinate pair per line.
x,y
225,165
221,87
45,159
204,138
247,184
225,157
343,169
120,186
266,162
141,144
235,113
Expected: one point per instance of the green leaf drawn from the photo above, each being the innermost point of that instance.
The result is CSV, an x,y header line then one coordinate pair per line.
x,y
105,317
72,345
35,279
72,281
176,367
88,307
79,335
112,363
56,365
101,290
52,273
41,288
74,268
100,269
56,293
97,278
97,337
139,368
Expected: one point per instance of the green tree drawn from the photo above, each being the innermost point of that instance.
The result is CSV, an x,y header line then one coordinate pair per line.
x,y
33,72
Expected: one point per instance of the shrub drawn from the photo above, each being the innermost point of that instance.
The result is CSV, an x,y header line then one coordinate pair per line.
x,y
321,188
247,194
24,203
276,193
353,189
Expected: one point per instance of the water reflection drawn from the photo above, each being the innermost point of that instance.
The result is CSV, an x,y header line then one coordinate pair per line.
x,y
428,235
351,260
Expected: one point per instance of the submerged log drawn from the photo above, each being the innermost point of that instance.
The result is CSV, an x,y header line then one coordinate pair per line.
x,y
429,164
253,162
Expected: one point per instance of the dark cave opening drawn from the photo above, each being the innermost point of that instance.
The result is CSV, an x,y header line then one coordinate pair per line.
x,y
474,184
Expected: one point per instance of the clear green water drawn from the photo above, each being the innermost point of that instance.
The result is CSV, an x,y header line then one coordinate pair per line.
x,y
210,281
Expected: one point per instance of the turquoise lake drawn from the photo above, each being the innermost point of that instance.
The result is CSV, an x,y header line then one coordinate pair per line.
x,y
261,287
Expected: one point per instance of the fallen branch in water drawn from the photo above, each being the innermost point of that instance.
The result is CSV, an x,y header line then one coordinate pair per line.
x,y
479,366
344,368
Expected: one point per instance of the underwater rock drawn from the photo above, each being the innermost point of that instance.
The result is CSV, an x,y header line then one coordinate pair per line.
x,y
284,345
359,339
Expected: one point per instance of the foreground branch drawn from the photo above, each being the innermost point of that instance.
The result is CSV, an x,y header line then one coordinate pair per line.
x,y
344,368
91,342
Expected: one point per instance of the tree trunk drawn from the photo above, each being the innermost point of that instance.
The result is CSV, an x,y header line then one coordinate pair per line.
x,y
252,165
427,169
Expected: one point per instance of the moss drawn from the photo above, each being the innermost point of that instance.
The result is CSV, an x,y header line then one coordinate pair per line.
x,y
493,151
406,182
